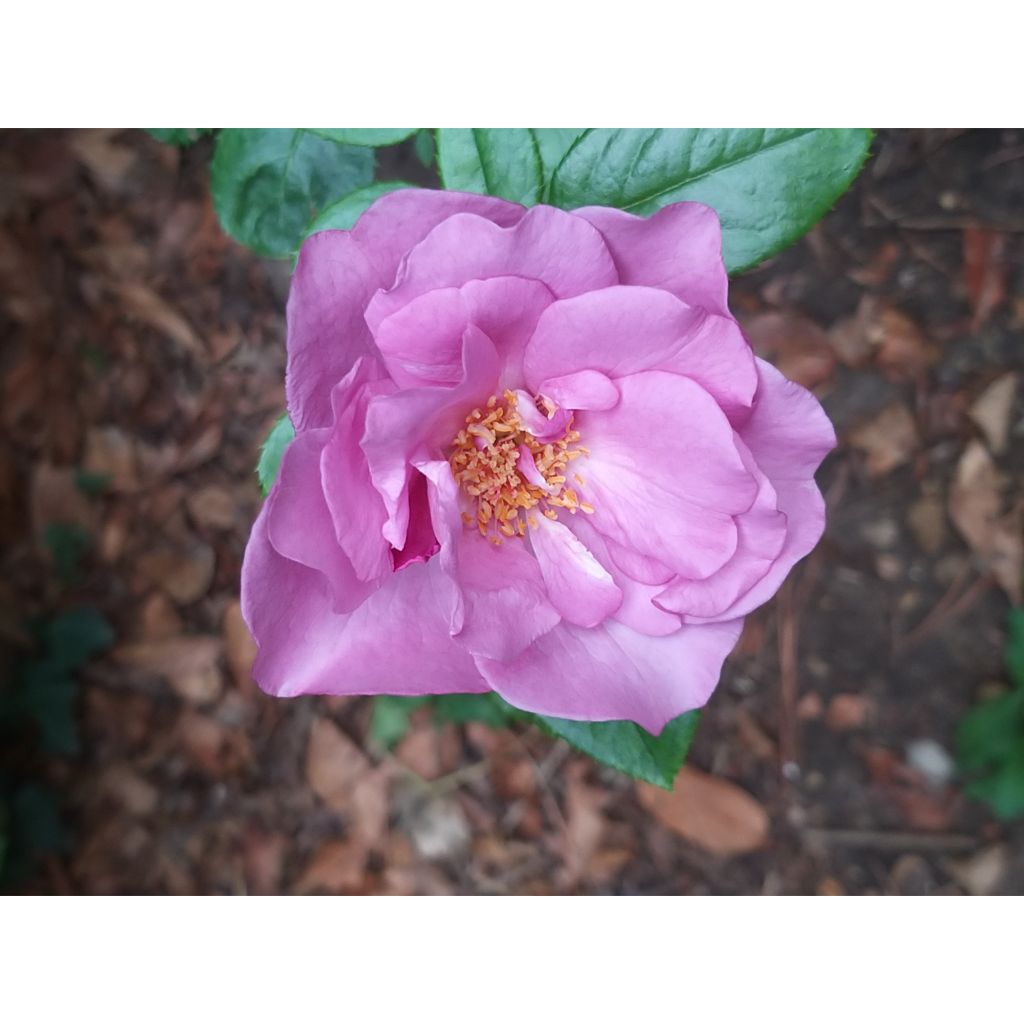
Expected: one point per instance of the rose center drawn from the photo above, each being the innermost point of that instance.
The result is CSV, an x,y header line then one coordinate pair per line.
x,y
511,476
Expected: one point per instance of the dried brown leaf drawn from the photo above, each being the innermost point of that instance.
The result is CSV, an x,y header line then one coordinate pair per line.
x,y
976,508
334,764
887,441
710,812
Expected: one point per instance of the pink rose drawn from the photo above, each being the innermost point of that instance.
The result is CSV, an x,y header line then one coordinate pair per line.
x,y
534,454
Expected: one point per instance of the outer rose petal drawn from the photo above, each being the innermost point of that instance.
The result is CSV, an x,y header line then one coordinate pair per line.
x,y
580,588
629,329
421,343
548,245
299,523
762,533
679,249
788,432
613,672
397,221
356,508
664,475
332,283
396,642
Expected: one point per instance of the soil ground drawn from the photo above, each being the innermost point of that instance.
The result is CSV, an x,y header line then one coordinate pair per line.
x,y
146,349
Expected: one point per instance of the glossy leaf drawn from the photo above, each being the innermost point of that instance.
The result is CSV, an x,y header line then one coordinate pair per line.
x,y
345,212
272,452
503,162
366,136
769,186
553,144
630,749
269,183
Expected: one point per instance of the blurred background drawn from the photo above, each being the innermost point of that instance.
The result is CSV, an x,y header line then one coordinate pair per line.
x,y
867,736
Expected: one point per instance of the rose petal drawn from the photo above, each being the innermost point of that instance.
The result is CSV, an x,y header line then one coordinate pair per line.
x,y
504,607
547,245
332,283
421,343
581,589
788,432
638,610
416,423
761,535
588,389
397,642
612,672
664,476
626,330
355,505
397,221
678,249
299,524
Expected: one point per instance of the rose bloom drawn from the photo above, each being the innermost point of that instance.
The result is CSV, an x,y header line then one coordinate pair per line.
x,y
534,454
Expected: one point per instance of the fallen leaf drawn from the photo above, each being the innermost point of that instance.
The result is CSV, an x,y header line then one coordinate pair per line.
x,y
976,508
171,655
794,343
333,764
887,441
902,348
992,411
240,646
985,270
848,711
585,824
983,873
710,812
183,573
158,619
54,498
336,868
927,521
263,855
144,304
107,161
922,806
213,507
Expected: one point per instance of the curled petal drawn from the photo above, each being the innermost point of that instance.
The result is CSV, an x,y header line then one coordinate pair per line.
x,y
678,249
581,589
547,245
629,329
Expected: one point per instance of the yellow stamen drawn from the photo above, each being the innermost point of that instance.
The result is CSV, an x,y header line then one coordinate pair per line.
x,y
484,458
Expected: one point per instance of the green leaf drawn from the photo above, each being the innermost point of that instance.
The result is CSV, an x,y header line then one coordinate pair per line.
x,y
49,697
425,147
488,708
178,136
343,214
365,136
1015,646
390,719
68,543
502,162
268,184
630,749
272,452
77,635
553,144
769,186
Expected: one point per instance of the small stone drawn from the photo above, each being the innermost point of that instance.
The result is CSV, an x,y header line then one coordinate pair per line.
x,y
932,760
982,874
